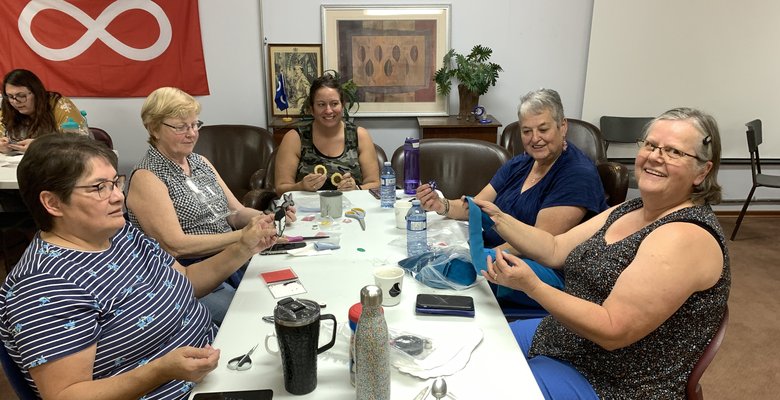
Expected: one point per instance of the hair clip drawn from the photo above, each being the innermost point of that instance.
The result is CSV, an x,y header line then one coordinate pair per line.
x,y
707,140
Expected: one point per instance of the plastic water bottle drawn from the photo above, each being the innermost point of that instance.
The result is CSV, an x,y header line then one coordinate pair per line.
x,y
416,230
70,126
387,190
372,349
411,165
84,127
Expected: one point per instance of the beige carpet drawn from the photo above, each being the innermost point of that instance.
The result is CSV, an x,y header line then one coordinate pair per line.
x,y
748,363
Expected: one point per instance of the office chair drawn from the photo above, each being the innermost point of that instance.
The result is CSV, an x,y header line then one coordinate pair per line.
x,y
755,138
239,153
102,136
693,389
459,166
623,130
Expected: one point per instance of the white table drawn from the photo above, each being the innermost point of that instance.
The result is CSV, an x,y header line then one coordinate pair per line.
x,y
8,172
497,368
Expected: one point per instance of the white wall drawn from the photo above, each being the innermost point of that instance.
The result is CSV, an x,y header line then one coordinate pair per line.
x,y
538,43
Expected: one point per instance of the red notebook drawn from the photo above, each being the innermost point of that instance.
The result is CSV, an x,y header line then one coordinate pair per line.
x,y
278,275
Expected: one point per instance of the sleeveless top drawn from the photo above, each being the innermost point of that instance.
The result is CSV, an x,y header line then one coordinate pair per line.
x,y
658,365
346,162
196,216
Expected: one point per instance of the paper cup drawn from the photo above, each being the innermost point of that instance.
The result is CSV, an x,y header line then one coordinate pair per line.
x,y
401,208
391,280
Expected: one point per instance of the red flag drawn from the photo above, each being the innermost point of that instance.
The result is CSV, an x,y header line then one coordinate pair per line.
x,y
101,48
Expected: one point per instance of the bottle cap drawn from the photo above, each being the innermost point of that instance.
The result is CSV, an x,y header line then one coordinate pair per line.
x,y
371,295
387,163
415,202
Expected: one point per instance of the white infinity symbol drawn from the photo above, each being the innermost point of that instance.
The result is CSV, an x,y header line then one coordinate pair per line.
x,y
96,29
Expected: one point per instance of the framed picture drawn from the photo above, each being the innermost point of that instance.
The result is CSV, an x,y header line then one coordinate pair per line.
x,y
391,53
299,65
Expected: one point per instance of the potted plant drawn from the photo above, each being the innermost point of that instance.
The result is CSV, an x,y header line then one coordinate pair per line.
x,y
473,72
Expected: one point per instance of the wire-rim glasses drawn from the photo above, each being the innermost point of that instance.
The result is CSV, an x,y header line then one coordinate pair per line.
x,y
182,129
105,188
670,152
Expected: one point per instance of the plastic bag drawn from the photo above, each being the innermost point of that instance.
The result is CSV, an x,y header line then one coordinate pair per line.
x,y
443,268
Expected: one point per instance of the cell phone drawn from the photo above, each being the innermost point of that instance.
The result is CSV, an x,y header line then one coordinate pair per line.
x,y
281,248
266,394
375,192
445,304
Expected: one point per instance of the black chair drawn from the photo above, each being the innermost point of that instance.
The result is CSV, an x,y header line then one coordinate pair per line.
x,y
693,389
15,377
623,130
239,153
102,136
755,138
587,137
459,166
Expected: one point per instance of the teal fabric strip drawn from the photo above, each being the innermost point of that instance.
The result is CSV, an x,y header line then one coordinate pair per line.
x,y
477,222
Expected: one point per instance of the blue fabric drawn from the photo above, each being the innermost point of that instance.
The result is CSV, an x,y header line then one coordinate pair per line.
x,y
572,181
552,277
429,268
557,379
478,221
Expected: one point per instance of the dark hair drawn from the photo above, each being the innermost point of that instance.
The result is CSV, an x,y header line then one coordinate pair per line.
x,y
55,163
42,120
329,79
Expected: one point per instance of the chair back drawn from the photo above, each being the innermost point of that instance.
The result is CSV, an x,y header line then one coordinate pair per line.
x,y
693,389
15,377
238,153
754,138
510,139
102,136
622,129
459,166
587,137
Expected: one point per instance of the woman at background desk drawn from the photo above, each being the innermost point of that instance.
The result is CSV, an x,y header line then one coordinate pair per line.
x,y
647,281
178,198
329,143
95,309
29,111
553,186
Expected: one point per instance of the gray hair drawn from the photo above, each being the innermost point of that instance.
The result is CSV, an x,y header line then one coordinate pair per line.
x,y
539,101
708,149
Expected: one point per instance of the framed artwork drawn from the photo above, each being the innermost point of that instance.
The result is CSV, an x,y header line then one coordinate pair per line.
x,y
391,53
299,64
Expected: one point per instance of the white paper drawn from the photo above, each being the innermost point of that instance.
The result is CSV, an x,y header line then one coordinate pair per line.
x,y
286,289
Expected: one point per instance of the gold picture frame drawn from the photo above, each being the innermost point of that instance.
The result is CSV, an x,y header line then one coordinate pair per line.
x,y
391,53
300,64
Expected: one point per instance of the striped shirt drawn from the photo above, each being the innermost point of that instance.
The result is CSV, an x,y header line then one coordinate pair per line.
x,y
126,299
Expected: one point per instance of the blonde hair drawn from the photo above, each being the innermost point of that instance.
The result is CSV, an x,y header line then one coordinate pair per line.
x,y
166,102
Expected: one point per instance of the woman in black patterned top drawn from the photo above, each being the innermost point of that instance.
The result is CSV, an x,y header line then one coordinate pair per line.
x,y
647,281
330,152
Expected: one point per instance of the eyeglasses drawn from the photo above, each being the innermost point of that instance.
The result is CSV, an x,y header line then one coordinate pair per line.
x,y
105,188
17,98
182,129
670,152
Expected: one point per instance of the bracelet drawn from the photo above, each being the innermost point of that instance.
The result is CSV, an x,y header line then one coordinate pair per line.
x,y
446,207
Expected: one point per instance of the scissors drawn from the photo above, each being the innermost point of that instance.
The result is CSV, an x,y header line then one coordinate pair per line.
x,y
358,214
242,362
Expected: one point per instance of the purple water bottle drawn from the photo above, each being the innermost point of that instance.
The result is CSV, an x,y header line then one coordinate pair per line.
x,y
411,165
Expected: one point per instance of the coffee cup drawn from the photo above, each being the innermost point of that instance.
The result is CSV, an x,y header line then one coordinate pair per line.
x,y
331,204
401,209
391,280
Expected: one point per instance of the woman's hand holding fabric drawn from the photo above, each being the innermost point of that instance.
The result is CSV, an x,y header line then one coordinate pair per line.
x,y
347,183
510,271
313,182
429,199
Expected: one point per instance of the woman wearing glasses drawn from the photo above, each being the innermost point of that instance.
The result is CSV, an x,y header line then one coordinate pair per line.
x,y
29,110
177,197
95,309
647,281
